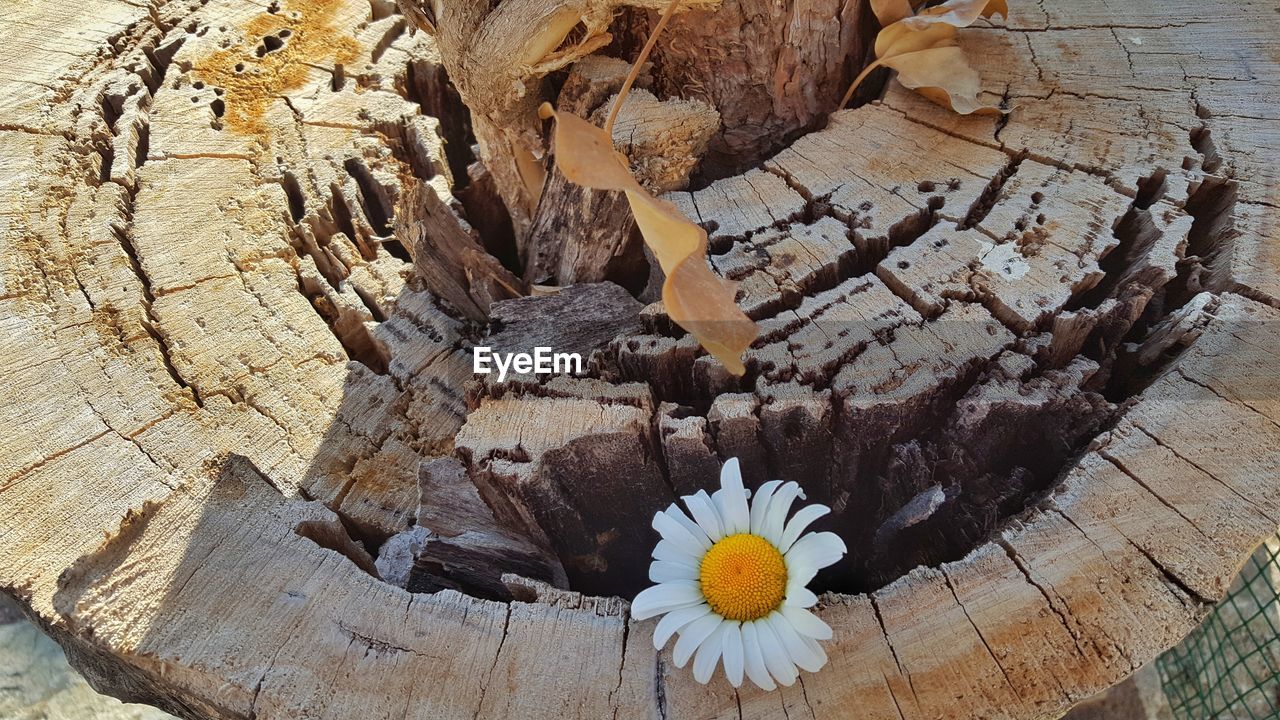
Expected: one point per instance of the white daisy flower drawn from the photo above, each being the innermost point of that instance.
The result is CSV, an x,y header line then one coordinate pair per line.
x,y
731,582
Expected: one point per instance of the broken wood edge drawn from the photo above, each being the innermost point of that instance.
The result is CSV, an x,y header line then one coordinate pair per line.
x,y
365,629
1067,600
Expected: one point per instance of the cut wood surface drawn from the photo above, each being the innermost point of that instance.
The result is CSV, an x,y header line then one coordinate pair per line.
x,y
1029,361
584,235
772,69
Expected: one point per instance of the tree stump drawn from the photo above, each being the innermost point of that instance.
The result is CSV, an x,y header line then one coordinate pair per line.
x,y
1028,361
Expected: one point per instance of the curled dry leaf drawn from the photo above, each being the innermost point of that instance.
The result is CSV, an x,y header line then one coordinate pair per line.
x,y
924,50
696,299
889,12
958,13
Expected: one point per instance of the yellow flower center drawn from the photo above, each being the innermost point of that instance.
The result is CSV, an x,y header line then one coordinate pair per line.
x,y
743,577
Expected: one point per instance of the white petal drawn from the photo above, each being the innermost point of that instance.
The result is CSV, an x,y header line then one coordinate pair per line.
x,y
675,533
704,663
733,656
800,596
734,509
692,635
802,519
717,499
694,528
775,518
761,503
667,550
815,551
661,571
664,598
675,620
798,576
753,659
704,511
776,657
800,653
806,623
816,648
730,473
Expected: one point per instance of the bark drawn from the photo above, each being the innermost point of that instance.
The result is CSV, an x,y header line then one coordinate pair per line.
x,y
497,56
583,235
772,69
448,254
1029,363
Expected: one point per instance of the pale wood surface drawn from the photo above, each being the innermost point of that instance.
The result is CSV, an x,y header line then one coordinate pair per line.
x,y
583,235
220,365
773,70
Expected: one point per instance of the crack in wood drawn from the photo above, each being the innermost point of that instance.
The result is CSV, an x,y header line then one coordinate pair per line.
x,y
789,411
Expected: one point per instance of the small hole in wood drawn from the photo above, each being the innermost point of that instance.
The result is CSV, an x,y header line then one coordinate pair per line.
x,y
293,192
270,43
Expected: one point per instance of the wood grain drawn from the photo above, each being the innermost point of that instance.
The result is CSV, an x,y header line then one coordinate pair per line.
x,y
224,374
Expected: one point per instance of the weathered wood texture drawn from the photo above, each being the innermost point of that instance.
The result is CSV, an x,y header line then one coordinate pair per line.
x,y
584,235
985,343
773,69
498,56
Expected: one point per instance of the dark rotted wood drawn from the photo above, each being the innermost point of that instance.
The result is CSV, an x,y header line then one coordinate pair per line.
x,y
692,464
577,463
448,254
568,461
772,69
575,319
457,543
735,425
571,220
583,235
795,429
998,449
486,213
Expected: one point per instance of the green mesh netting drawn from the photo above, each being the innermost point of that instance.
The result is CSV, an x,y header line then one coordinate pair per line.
x,y
1229,667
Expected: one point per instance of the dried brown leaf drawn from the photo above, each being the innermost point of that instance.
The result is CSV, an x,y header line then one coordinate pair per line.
x,y
696,299
924,50
532,173
889,12
958,13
